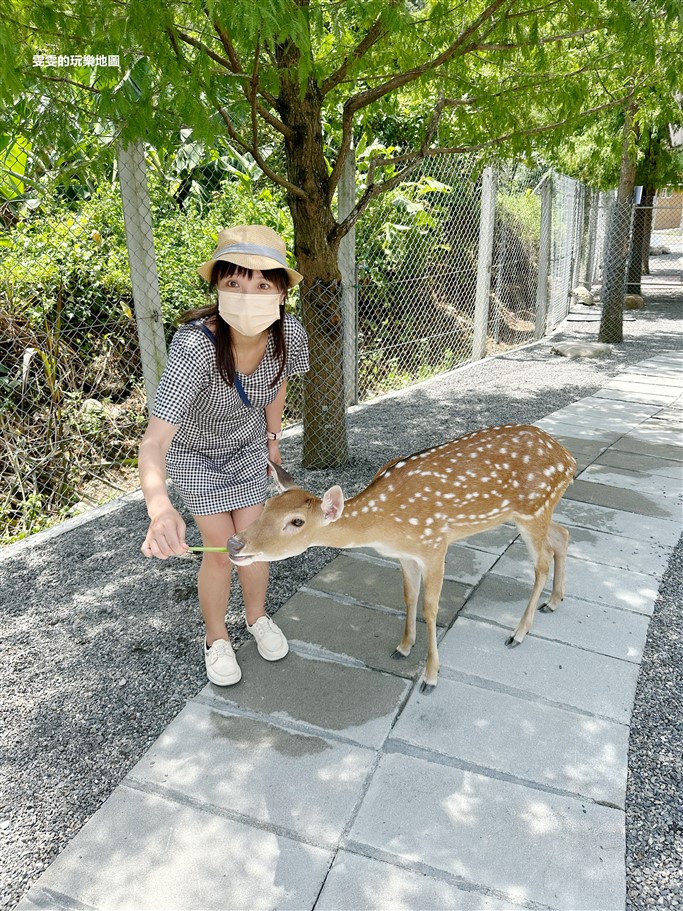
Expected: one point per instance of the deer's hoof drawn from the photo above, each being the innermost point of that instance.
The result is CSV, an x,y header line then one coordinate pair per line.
x,y
512,642
397,654
426,687
546,608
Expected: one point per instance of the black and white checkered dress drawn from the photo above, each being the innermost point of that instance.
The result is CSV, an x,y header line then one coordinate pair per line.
x,y
217,459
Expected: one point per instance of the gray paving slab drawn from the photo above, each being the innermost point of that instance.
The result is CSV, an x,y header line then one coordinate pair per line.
x,y
648,372
314,621
668,384
594,627
639,393
144,851
564,430
467,564
618,522
657,430
631,461
290,690
532,846
601,412
492,731
255,770
381,583
556,672
595,582
648,557
358,883
646,447
655,485
615,497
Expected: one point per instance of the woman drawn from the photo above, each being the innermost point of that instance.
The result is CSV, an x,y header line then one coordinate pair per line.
x,y
217,416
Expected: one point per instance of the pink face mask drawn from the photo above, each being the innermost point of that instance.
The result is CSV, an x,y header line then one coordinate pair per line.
x,y
249,314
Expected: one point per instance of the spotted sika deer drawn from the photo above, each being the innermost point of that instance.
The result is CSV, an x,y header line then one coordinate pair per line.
x,y
415,507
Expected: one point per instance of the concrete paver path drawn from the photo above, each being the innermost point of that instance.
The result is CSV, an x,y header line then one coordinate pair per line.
x,y
328,781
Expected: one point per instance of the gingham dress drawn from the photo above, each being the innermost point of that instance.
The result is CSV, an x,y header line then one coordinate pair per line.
x,y
217,459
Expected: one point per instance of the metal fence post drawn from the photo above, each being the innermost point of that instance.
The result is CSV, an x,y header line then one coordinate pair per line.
x,y
589,269
487,223
347,266
544,257
142,262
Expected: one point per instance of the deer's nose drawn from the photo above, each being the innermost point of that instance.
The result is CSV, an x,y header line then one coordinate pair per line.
x,y
235,545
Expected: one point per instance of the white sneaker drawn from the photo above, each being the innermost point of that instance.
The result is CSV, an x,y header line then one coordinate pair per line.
x,y
270,640
221,665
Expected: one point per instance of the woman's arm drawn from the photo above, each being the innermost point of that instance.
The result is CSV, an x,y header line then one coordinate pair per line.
x,y
274,422
166,533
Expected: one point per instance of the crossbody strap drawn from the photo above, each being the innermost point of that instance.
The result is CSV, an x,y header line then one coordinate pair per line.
x,y
238,383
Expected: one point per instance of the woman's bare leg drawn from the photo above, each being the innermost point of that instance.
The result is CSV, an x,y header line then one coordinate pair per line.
x,y
214,574
253,578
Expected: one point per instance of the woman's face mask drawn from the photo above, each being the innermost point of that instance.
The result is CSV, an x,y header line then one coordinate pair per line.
x,y
249,314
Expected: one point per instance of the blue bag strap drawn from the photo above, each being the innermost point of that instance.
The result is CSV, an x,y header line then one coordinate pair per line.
x,y
238,383
240,391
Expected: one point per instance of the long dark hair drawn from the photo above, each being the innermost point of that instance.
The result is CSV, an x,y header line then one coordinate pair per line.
x,y
225,349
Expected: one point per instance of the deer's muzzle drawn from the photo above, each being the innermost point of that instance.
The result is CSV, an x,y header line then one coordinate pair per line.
x,y
235,546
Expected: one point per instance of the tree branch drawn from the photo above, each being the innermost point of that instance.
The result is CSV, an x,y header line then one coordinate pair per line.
x,y
363,99
229,63
234,135
258,158
412,159
374,34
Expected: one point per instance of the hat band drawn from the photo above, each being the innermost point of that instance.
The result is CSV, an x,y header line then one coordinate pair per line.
x,y
255,250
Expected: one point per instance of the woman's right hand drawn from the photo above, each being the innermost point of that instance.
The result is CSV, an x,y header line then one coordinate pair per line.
x,y
165,536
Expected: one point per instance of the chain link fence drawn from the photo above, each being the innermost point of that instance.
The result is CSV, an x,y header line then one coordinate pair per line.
x,y
457,264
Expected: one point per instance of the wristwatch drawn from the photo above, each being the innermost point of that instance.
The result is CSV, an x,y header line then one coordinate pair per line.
x,y
274,436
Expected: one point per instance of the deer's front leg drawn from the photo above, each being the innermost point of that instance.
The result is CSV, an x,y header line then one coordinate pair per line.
x,y
412,574
433,581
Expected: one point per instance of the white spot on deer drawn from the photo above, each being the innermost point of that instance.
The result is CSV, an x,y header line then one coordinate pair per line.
x,y
413,521
526,459
383,498
428,520
426,533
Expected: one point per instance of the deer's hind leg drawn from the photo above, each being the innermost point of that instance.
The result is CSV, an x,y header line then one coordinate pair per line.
x,y
412,575
535,533
558,539
433,582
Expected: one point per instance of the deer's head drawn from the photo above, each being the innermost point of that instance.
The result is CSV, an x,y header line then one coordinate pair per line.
x,y
288,524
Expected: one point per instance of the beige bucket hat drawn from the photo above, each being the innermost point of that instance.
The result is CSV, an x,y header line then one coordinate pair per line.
x,y
252,247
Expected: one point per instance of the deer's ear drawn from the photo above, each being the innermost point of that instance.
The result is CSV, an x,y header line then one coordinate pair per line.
x,y
332,505
283,479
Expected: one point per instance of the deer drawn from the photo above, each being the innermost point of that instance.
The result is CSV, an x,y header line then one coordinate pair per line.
x,y
415,507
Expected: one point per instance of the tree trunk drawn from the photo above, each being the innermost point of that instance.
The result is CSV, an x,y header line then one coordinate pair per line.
x,y
325,434
612,322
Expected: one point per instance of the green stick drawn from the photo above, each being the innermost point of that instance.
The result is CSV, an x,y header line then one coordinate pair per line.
x,y
212,550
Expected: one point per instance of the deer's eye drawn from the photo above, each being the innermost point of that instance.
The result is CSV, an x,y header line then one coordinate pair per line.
x,y
297,523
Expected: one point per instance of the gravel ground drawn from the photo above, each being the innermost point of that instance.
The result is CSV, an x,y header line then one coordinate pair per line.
x,y
102,648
